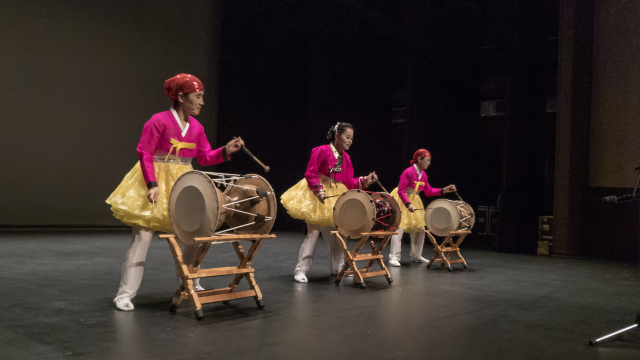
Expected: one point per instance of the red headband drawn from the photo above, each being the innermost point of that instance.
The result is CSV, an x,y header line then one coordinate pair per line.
x,y
182,83
420,154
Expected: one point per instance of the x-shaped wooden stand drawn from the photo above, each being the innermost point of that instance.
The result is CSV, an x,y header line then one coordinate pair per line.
x,y
350,258
447,249
189,272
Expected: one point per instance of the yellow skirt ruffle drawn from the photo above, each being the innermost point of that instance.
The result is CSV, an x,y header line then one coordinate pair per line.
x,y
302,204
411,221
129,202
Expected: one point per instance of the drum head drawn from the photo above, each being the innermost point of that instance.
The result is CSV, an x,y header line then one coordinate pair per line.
x,y
353,213
266,205
442,217
194,207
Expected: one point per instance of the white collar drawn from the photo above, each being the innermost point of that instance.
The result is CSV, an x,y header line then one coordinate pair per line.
x,y
183,128
415,166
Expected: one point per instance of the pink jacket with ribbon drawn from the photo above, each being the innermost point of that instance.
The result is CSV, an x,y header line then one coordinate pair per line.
x,y
162,135
322,159
410,180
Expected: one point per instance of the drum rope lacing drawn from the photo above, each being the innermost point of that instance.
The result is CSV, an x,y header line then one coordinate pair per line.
x,y
382,204
463,219
228,181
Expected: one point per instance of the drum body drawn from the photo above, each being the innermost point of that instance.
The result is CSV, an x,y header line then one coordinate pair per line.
x,y
443,216
197,208
358,211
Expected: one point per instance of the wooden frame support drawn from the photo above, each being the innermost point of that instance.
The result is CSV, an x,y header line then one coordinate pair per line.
x,y
189,272
350,258
447,249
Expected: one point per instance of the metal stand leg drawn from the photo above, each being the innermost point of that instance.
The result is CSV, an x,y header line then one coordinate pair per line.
x,y
637,324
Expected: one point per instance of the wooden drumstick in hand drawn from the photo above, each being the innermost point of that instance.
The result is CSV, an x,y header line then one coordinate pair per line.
x,y
265,167
379,184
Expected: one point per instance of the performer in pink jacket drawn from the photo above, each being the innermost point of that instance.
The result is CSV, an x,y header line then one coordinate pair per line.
x,y
329,173
169,141
412,181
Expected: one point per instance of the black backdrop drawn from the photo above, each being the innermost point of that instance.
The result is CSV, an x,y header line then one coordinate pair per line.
x,y
290,70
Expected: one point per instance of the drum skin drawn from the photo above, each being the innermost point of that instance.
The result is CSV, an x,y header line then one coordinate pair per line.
x,y
356,212
443,216
196,206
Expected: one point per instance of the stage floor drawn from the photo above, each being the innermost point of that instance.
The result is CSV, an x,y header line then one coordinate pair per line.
x,y
57,291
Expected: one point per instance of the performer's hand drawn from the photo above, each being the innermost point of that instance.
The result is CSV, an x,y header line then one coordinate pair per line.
x,y
234,145
449,189
153,194
371,178
321,196
411,208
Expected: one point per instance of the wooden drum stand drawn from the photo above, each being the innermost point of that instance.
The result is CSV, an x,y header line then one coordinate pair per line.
x,y
447,249
189,272
351,257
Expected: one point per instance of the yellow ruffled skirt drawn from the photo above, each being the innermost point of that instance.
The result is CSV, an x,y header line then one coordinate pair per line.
x,y
129,202
411,221
302,204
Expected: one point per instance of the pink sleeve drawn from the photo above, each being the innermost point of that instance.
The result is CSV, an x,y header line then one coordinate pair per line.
x,y
349,181
428,190
148,141
206,156
313,168
404,182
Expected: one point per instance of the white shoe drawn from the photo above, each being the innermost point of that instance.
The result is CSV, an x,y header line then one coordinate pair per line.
x,y
196,285
420,260
394,262
123,304
300,277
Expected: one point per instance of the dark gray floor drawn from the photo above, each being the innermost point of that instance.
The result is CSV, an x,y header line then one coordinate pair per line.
x,y
57,291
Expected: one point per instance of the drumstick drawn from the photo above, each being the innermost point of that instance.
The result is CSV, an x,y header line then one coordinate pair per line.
x,y
327,197
266,168
378,182
455,192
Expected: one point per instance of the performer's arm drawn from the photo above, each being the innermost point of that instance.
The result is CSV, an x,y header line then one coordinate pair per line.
x,y
313,171
207,156
404,182
148,141
350,182
429,191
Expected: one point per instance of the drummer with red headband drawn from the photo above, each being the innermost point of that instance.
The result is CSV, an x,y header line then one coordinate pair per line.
x,y
170,139
329,174
412,181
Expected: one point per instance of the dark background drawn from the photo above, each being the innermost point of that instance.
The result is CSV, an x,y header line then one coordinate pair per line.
x,y
80,79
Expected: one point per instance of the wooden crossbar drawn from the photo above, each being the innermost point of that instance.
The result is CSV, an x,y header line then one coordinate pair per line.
x,y
189,272
350,267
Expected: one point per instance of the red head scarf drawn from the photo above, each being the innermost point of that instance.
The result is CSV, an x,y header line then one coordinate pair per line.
x,y
182,83
420,154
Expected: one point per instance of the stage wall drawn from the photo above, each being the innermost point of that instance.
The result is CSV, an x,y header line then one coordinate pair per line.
x,y
79,80
615,110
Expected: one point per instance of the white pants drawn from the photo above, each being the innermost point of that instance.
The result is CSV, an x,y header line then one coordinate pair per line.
x,y
417,242
133,266
305,258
